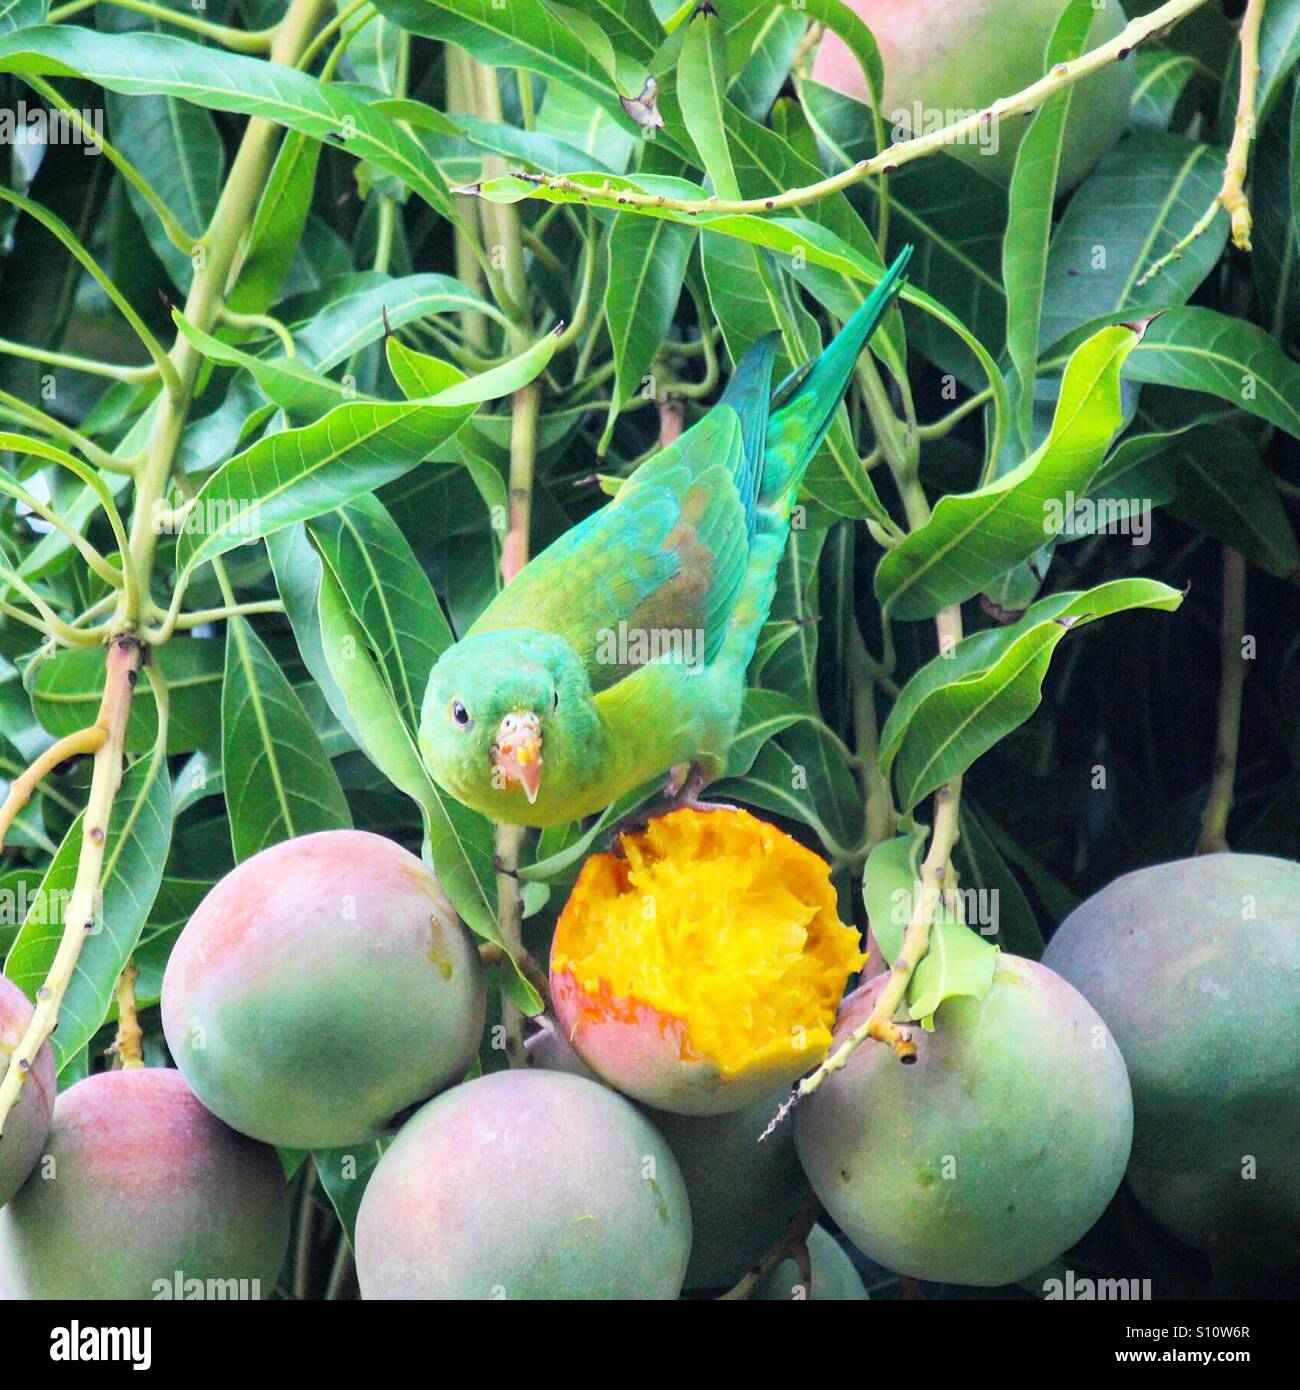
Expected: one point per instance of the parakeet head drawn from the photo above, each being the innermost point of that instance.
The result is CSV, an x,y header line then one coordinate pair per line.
x,y
499,718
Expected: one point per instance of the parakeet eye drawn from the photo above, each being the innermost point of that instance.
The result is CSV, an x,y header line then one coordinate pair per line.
x,y
460,715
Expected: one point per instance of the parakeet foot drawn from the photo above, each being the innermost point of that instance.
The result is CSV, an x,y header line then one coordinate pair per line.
x,y
681,791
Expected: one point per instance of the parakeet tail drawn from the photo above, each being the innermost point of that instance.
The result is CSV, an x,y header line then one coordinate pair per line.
x,y
805,404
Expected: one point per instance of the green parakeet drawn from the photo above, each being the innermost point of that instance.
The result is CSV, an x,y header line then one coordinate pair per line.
x,y
620,652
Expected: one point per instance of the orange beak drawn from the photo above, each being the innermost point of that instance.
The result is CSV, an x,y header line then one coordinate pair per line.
x,y
517,752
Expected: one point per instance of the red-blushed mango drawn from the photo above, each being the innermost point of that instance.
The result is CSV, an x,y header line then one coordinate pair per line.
x,y
994,1152
743,1193
29,1120
1195,966
834,1280
321,988
525,1184
946,59
699,969
141,1192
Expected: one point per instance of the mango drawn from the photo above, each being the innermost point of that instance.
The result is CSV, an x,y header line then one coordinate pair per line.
x,y
29,1120
525,1184
142,1194
323,987
1195,966
989,1156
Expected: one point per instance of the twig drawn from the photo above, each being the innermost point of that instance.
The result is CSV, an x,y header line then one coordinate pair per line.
x,y
1232,678
1231,196
130,1037
1021,103
123,666
21,788
793,1239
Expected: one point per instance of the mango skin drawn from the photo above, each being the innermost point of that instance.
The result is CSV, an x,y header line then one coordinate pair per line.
x,y
29,1121
990,1155
142,1182
959,55
1204,1001
834,1280
743,1194
322,987
525,1184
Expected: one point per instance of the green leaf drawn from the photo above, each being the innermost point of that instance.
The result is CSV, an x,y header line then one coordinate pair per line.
x,y
891,881
1199,349
701,88
1163,75
68,687
135,851
390,595
1144,197
1279,50
523,34
292,385
974,537
1226,490
647,264
986,874
136,64
278,225
958,962
459,840
957,706
279,784
344,1174
1029,220
300,473
18,14
417,374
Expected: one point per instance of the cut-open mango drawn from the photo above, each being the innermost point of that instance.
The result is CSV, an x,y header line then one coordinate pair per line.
x,y
713,943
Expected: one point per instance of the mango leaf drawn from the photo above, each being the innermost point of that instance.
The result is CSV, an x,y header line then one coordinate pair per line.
x,y
18,14
178,150
1029,218
1144,197
1005,918
459,840
137,64
1226,490
778,784
1163,75
390,595
279,784
135,851
647,264
974,537
67,690
417,374
1279,50
278,225
296,388
354,318
701,89
890,883
959,962
523,34
957,706
344,1174
1199,349
354,449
